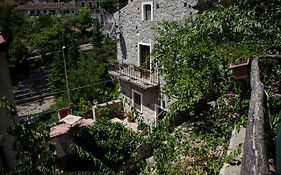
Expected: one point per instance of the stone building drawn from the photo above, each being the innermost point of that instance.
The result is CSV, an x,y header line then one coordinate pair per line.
x,y
36,9
41,7
139,83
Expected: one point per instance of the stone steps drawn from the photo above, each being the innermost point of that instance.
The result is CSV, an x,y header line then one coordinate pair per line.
x,y
27,94
35,87
34,98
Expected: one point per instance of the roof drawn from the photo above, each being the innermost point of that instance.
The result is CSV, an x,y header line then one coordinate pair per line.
x,y
59,129
63,128
45,6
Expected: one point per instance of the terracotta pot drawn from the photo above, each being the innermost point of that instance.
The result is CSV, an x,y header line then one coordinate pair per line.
x,y
145,73
130,118
240,71
121,115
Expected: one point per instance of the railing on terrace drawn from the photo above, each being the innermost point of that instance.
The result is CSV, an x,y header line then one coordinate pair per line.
x,y
141,77
255,156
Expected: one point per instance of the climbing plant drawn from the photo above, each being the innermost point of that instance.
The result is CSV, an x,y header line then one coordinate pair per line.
x,y
189,54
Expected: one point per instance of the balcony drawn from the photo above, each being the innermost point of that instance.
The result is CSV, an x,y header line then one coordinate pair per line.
x,y
141,77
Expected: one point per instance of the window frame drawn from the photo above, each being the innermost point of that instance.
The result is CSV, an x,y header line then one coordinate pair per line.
x,y
91,4
139,54
133,99
143,10
98,4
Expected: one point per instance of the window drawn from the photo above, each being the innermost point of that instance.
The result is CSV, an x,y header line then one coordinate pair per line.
x,y
83,4
159,112
90,4
52,12
144,55
137,99
98,4
147,11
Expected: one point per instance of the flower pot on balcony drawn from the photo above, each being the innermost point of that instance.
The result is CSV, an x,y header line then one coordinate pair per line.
x,y
240,71
130,117
145,73
124,66
121,115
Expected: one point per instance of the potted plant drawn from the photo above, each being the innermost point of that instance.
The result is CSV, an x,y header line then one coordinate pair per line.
x,y
123,66
240,68
121,115
145,73
130,117
143,70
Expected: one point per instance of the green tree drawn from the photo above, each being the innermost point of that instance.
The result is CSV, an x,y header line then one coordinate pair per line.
x,y
109,146
91,75
18,53
98,37
12,22
193,54
84,19
34,150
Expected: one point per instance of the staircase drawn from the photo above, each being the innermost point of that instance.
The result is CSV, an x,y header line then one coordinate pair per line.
x,y
35,87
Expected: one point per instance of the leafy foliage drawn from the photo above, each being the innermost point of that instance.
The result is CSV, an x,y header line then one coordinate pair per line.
x,y
36,154
92,73
84,19
108,145
211,39
199,145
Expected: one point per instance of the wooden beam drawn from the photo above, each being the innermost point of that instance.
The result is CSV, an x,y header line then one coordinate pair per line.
x,y
270,56
255,160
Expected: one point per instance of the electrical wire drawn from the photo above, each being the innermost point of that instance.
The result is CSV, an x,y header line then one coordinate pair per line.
x,y
81,87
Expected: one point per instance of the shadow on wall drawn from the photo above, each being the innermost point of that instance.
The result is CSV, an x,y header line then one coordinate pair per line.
x,y
123,47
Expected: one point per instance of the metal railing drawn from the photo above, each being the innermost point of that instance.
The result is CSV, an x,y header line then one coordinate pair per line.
x,y
130,72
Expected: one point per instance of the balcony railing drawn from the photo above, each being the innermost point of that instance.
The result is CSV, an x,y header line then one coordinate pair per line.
x,y
141,77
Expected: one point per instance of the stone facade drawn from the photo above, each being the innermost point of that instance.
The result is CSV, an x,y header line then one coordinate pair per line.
x,y
135,28
149,99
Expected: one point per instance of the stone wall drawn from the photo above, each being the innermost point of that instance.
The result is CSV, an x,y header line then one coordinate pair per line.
x,y
132,30
149,99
